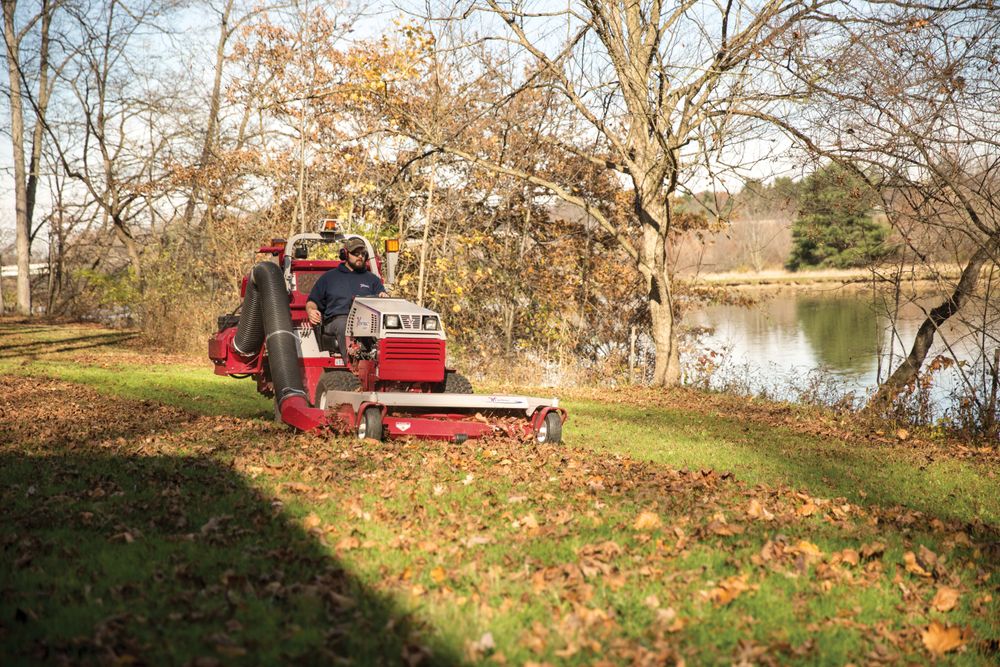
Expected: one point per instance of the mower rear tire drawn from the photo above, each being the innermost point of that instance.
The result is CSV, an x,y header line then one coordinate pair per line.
x,y
334,381
370,424
550,430
456,383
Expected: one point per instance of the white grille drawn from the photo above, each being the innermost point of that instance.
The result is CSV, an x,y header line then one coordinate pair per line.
x,y
410,321
362,323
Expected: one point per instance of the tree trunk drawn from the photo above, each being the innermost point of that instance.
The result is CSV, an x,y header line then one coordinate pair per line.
x,y
22,223
131,247
37,133
908,370
213,111
631,355
667,369
653,210
428,217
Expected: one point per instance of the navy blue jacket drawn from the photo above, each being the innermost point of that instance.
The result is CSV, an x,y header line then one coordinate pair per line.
x,y
336,289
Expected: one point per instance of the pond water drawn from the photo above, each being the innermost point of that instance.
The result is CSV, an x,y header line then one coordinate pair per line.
x,y
836,341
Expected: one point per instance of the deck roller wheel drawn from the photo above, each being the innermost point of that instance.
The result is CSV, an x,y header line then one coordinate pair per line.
x,y
550,430
370,424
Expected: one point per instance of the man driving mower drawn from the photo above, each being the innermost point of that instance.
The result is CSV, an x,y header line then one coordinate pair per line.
x,y
331,297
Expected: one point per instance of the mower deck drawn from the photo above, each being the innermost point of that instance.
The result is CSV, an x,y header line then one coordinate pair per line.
x,y
447,416
407,399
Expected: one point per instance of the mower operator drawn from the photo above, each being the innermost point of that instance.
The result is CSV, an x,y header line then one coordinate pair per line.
x,y
331,297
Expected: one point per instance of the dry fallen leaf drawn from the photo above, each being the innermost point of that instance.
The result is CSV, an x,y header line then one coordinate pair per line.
x,y
945,599
669,620
311,521
939,639
808,549
850,556
647,521
873,550
728,589
912,566
927,557
438,575
757,511
348,543
806,510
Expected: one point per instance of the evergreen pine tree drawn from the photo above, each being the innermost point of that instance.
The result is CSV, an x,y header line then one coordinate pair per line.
x,y
834,227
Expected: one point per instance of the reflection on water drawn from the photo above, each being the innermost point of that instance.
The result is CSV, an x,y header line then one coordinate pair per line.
x,y
784,340
843,333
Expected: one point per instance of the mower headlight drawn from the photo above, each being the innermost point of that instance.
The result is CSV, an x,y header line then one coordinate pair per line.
x,y
392,322
431,323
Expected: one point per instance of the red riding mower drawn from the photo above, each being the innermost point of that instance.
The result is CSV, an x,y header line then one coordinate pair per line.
x,y
393,382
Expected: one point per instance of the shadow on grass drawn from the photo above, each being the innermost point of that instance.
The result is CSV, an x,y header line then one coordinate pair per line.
x,y
11,328
109,556
165,560
36,349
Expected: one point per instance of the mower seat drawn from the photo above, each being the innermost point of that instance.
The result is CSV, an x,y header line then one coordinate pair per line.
x,y
326,343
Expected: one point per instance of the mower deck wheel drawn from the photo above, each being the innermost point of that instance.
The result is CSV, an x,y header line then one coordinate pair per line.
x,y
550,430
370,424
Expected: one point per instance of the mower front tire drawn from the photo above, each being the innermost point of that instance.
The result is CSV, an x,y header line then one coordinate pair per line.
x,y
334,381
370,424
550,430
456,383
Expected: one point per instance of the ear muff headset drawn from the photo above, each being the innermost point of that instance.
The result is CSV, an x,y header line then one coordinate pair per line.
x,y
343,254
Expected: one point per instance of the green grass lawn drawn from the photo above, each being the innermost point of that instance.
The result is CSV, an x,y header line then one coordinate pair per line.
x,y
154,513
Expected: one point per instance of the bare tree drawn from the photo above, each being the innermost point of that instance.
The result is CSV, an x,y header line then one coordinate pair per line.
x,y
761,222
650,89
227,27
115,136
905,94
26,176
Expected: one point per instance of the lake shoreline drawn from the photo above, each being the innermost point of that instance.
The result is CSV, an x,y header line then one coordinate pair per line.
x,y
923,276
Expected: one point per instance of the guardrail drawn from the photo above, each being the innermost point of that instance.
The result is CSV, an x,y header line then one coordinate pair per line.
x,y
36,269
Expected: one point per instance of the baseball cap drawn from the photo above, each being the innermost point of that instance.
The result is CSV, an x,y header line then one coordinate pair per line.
x,y
355,245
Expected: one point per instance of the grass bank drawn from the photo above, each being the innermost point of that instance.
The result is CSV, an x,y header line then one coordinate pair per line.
x,y
154,513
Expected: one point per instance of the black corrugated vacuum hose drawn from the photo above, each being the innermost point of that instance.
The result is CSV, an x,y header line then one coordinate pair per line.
x,y
250,329
266,317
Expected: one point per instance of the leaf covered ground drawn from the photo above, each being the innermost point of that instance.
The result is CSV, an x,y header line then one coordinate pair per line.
x,y
144,525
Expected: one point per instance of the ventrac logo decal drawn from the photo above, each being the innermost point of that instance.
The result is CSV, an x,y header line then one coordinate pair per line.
x,y
403,426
